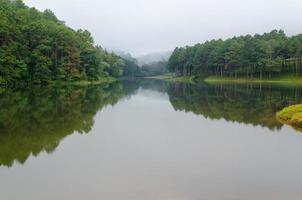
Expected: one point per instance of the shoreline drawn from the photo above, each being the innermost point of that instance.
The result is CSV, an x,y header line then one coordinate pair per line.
x,y
171,78
280,80
83,82
63,83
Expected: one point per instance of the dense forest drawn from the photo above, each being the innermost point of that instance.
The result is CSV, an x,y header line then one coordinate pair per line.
x,y
261,56
36,47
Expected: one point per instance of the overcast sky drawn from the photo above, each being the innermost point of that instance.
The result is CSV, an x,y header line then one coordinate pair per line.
x,y
148,26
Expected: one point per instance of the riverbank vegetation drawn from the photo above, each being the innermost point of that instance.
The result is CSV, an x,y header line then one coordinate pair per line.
x,y
292,116
249,57
36,47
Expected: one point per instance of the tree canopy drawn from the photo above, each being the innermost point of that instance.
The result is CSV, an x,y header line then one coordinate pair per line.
x,y
36,47
267,54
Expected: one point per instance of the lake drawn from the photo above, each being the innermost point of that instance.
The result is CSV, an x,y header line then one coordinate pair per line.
x,y
149,140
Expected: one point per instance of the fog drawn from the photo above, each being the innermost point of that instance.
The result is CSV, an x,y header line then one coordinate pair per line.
x,y
148,26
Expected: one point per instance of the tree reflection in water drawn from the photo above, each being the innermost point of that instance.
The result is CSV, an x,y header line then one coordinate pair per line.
x,y
37,119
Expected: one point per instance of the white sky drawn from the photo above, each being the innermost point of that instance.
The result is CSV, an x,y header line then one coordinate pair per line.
x,y
147,26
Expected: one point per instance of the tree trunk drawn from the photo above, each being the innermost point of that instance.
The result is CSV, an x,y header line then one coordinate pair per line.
x,y
296,64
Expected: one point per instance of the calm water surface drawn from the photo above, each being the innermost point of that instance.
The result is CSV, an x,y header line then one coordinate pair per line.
x,y
149,140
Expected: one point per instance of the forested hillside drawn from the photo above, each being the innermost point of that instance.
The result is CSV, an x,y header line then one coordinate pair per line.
x,y
131,67
36,47
250,56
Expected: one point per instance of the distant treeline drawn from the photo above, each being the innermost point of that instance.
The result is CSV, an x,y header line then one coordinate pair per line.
x,y
154,69
259,55
36,47
131,67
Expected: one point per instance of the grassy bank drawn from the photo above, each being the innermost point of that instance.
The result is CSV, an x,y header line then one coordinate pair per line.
x,y
282,79
292,116
83,82
173,78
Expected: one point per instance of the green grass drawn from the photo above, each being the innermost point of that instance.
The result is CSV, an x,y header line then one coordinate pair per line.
x,y
282,79
292,116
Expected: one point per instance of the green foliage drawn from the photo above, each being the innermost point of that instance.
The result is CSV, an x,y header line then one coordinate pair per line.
x,y
258,55
36,47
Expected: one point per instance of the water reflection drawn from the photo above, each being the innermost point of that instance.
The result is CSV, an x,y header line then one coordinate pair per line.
x,y
37,119
254,104
248,104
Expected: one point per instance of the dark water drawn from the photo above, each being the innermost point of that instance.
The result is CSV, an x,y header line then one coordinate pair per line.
x,y
149,140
